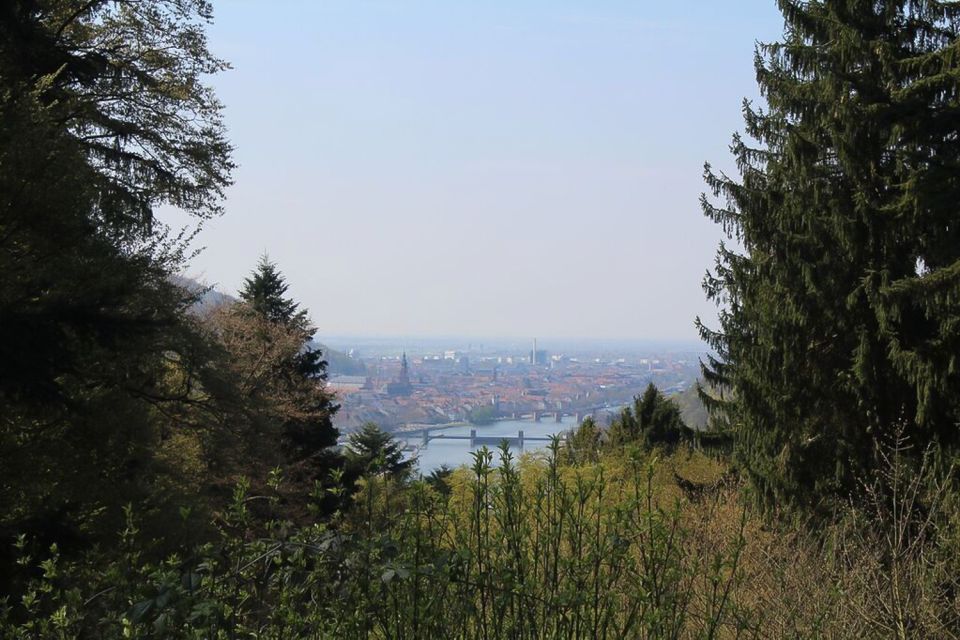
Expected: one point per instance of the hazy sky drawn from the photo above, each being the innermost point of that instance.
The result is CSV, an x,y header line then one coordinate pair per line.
x,y
485,168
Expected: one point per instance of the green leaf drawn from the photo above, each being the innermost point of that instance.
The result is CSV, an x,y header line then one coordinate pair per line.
x,y
139,610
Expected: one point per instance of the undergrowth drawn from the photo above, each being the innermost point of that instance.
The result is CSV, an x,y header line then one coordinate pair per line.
x,y
636,544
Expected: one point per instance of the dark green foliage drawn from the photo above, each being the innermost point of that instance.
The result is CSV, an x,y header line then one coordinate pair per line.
x,y
524,553
372,451
529,550
276,415
111,393
653,420
125,82
839,317
582,444
439,479
103,116
265,290
265,293
715,442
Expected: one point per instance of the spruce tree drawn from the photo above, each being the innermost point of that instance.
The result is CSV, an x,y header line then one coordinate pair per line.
x,y
371,451
265,294
653,420
265,289
839,313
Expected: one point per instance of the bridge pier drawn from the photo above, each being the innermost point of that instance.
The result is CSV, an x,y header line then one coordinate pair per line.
x,y
473,438
579,417
426,437
521,439
536,416
558,416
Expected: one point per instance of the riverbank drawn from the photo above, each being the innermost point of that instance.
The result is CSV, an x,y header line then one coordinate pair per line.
x,y
418,428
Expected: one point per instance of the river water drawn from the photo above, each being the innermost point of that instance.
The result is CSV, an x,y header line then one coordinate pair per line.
x,y
454,453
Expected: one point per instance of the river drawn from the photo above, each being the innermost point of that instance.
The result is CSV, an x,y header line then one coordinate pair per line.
x,y
454,453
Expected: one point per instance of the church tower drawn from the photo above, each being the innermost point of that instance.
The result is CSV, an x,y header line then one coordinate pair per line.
x,y
401,386
404,371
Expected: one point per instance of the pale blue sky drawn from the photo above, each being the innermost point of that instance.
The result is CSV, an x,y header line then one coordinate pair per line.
x,y
498,168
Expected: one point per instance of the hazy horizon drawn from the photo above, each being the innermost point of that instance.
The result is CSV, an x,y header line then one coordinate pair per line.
x,y
553,345
512,169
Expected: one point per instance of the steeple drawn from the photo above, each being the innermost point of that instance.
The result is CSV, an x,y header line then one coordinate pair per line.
x,y
401,386
404,371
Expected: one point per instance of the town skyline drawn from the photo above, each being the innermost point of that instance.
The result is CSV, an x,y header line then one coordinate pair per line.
x,y
443,383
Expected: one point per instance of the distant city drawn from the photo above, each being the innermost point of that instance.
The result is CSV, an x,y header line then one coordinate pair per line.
x,y
406,385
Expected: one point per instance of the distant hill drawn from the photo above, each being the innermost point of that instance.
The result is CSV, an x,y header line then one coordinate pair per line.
x,y
338,363
210,298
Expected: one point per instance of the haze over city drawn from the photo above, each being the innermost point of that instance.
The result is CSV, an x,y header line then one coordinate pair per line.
x,y
496,169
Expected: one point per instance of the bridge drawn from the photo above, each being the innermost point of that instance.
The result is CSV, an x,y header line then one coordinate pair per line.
x,y
557,414
438,433
427,435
